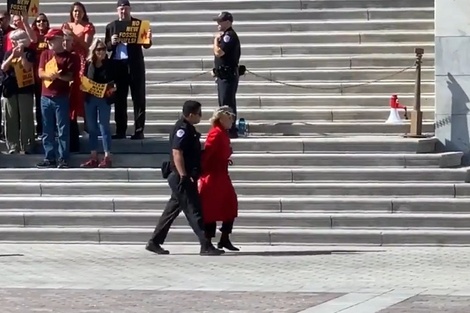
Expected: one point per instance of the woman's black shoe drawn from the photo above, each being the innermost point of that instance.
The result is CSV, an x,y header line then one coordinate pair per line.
x,y
227,244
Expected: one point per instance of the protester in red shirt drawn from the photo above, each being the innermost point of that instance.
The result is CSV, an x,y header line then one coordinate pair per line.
x,y
75,93
40,27
5,30
56,68
218,197
82,32
5,45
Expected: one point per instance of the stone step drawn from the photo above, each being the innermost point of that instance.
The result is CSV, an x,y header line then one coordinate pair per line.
x,y
295,74
443,160
345,144
380,189
290,101
343,204
296,102
285,38
365,37
185,50
332,61
286,26
173,5
256,235
58,13
155,113
294,127
298,220
290,87
158,113
251,173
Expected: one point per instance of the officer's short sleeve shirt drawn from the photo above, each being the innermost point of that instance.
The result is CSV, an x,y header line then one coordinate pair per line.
x,y
228,41
181,137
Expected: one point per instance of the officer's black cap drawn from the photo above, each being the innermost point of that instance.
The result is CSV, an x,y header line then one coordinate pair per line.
x,y
191,107
223,17
123,3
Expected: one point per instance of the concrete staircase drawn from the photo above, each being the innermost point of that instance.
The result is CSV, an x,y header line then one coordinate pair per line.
x,y
333,49
341,177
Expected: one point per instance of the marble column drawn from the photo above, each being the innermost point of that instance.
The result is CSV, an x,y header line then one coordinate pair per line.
x,y
452,39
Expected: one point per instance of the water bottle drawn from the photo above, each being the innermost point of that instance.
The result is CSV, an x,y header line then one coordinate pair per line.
x,y
242,127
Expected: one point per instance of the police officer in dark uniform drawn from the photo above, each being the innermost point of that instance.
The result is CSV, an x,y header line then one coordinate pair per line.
x,y
182,173
227,52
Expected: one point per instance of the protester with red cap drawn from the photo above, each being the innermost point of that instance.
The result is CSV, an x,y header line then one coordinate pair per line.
x,y
56,69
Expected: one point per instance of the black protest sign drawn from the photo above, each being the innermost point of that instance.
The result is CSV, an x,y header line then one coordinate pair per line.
x,y
133,32
19,7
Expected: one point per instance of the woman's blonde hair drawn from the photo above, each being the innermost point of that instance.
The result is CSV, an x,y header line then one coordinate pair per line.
x,y
223,110
93,46
20,37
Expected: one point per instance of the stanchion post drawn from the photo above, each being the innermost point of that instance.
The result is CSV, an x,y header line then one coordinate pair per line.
x,y
416,127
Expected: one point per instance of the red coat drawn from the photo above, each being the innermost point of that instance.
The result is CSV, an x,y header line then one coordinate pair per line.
x,y
77,96
218,197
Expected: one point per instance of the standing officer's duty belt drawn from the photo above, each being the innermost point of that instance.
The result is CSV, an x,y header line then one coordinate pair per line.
x,y
227,72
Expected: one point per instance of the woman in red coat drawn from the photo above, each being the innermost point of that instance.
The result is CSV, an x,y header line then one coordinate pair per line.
x,y
218,197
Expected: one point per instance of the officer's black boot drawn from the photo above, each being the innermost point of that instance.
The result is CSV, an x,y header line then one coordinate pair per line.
x,y
208,248
156,248
226,243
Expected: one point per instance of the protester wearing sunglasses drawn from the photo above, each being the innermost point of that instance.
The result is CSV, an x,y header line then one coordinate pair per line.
x,y
40,26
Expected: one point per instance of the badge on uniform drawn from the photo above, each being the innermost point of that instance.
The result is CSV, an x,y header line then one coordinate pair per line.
x,y
180,133
226,38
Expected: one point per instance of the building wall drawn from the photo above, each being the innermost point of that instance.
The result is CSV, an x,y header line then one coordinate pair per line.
x,y
452,39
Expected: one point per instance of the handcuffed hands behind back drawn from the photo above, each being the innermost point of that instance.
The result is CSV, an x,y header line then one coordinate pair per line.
x,y
185,181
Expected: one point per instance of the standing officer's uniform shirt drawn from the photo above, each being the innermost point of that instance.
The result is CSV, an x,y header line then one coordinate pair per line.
x,y
184,137
230,44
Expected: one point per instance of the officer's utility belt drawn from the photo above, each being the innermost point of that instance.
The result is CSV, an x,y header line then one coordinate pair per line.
x,y
168,167
228,72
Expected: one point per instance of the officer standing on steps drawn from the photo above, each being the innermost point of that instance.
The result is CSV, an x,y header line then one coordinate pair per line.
x,y
227,52
182,173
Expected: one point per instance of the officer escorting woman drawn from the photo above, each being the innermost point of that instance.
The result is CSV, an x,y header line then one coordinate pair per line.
x,y
227,52
182,173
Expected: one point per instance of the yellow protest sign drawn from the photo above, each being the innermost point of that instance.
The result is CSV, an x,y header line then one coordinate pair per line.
x,y
93,88
23,78
19,7
134,32
50,68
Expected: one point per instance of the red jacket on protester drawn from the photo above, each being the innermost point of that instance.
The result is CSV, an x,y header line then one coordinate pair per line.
x,y
218,197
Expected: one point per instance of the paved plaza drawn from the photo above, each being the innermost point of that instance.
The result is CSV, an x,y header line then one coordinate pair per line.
x,y
128,279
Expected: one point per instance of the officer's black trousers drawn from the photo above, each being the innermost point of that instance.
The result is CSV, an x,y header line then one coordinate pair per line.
x,y
226,228
133,76
187,201
227,91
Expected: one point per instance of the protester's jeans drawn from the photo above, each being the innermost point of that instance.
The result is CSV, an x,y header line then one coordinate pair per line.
x,y
98,114
56,109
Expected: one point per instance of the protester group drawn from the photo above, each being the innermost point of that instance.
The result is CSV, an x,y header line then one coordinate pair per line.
x,y
44,68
